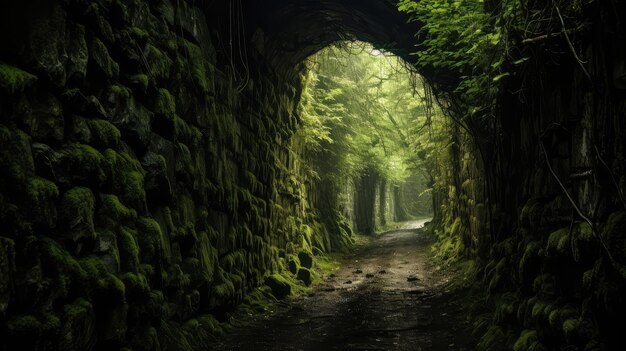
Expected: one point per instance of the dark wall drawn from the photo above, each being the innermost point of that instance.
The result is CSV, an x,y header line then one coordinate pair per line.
x,y
556,258
149,180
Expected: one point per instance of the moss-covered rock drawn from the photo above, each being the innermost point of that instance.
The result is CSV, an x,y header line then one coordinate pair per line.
x,y
157,182
293,266
46,40
78,326
129,250
207,256
139,83
279,285
24,330
65,272
113,213
14,80
103,133
41,201
76,213
154,248
145,338
76,164
306,260
106,248
305,276
99,56
127,179
43,119
558,241
131,117
77,53
137,288
159,64
202,72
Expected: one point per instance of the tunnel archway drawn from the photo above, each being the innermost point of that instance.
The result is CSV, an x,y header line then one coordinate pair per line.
x,y
287,32
151,177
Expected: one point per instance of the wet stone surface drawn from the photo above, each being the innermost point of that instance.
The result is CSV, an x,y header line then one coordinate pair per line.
x,y
386,296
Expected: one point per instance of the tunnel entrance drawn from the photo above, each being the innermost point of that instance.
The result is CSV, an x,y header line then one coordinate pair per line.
x,y
370,128
167,163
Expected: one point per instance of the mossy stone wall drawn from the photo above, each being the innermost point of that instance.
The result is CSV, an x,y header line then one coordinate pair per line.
x,y
142,194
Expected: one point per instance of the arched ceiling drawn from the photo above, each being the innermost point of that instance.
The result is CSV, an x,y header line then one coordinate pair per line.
x,y
288,31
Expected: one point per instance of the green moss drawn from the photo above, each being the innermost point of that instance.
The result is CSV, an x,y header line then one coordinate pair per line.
x,y
78,330
100,55
200,69
186,133
77,210
50,323
530,257
41,201
570,327
82,163
177,278
233,261
105,287
545,284
129,250
493,340
139,81
159,64
112,212
24,326
104,133
537,311
137,288
151,241
207,255
223,291
259,300
558,241
171,337
202,331
14,80
127,178
527,341
120,91
554,317
67,272
585,232
165,104
138,33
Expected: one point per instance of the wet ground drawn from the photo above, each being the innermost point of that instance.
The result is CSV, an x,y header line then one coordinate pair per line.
x,y
388,295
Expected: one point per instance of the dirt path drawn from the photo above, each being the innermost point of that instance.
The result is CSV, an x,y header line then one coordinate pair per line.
x,y
386,296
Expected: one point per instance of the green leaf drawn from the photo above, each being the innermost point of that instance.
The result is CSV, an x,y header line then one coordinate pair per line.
x,y
500,76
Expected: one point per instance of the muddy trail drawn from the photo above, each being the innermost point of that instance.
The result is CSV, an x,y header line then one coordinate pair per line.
x,y
387,295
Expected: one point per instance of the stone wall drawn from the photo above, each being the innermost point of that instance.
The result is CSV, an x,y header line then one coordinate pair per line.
x,y
556,270
145,189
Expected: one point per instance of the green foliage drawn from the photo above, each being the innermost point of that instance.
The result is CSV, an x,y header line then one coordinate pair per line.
x,y
468,46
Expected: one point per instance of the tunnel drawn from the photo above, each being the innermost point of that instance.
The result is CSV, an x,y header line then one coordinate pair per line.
x,y
153,179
